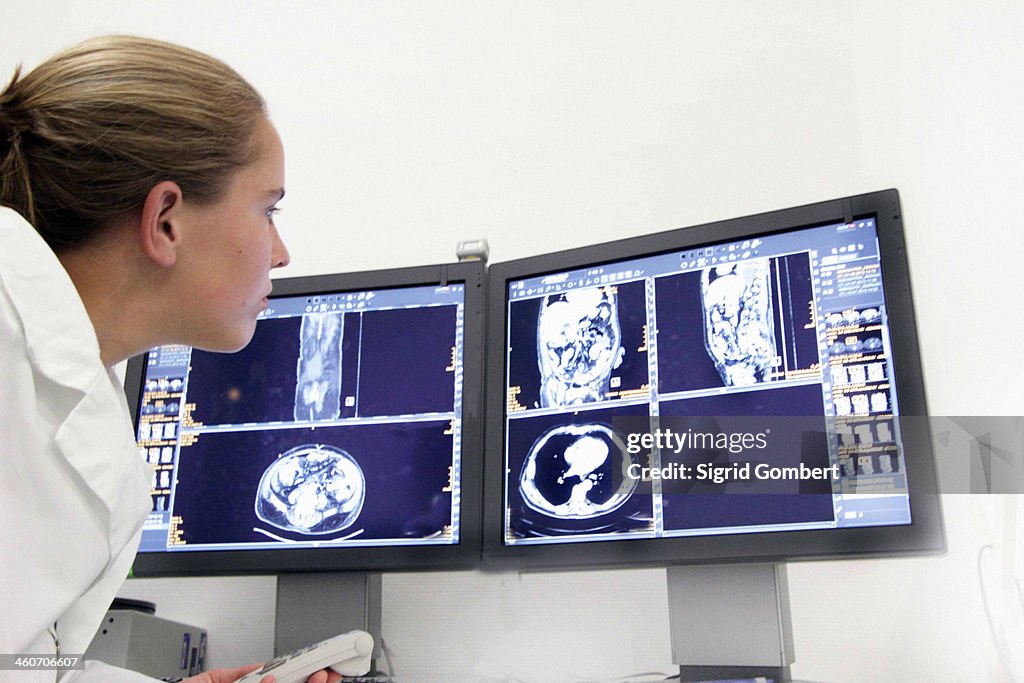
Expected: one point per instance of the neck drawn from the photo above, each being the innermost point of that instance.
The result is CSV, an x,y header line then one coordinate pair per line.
x,y
109,278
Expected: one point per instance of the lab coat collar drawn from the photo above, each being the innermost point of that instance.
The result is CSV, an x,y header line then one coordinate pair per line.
x,y
61,340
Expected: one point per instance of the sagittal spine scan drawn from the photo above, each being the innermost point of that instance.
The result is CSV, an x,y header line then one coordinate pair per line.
x,y
738,322
570,472
311,489
318,386
578,346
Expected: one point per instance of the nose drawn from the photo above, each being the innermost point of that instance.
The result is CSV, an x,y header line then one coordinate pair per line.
x,y
279,256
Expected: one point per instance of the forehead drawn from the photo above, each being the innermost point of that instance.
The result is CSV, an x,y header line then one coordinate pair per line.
x,y
266,173
269,143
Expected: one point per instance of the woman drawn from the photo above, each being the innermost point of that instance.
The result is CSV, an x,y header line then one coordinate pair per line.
x,y
138,185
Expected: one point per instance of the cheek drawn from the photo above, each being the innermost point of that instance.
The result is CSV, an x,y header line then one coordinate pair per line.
x,y
250,252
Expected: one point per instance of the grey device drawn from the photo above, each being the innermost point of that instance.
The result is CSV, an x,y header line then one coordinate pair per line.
x,y
348,654
472,250
133,637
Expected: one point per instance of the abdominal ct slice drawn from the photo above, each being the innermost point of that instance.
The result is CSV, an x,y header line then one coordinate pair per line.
x,y
311,489
578,345
739,322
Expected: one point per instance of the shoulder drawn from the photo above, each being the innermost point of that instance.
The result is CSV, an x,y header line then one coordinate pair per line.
x,y
41,299
28,267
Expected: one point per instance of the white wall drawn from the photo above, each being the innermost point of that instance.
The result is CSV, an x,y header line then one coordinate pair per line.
x,y
543,125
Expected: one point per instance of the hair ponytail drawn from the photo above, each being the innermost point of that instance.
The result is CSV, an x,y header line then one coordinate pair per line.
x,y
15,185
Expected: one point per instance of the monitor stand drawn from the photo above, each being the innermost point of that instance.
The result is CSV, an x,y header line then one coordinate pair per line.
x,y
312,607
730,621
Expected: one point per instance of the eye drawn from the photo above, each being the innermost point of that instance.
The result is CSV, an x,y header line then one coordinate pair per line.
x,y
271,212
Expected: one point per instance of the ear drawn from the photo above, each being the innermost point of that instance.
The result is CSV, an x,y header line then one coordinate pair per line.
x,y
159,225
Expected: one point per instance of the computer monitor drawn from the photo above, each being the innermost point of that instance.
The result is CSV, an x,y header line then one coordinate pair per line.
x,y
738,392
346,437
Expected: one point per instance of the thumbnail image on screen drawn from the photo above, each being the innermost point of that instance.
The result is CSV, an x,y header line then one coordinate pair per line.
x,y
339,424
729,388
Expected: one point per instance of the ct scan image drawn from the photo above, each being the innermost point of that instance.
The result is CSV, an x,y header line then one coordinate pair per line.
x,y
577,347
318,376
338,483
328,366
566,473
738,324
567,476
311,489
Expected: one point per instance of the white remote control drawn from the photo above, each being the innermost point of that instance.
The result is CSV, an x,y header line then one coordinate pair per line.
x,y
348,654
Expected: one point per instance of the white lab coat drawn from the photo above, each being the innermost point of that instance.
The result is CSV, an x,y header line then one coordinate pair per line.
x,y
73,487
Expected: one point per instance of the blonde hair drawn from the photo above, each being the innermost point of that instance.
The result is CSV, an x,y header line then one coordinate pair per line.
x,y
85,135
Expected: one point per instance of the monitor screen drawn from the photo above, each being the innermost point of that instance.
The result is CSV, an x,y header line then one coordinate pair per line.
x,y
346,435
739,390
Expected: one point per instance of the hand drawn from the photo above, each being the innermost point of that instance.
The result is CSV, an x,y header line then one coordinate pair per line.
x,y
232,675
227,675
324,676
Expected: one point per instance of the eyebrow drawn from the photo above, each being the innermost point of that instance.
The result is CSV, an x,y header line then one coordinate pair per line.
x,y
276,195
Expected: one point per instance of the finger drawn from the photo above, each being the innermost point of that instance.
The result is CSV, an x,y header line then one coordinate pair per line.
x,y
318,677
231,675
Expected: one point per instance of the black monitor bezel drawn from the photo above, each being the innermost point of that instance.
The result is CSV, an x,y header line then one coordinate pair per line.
x,y
925,535
463,555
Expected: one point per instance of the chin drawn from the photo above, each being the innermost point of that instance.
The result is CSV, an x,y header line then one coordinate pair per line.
x,y
242,341
230,343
